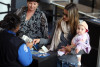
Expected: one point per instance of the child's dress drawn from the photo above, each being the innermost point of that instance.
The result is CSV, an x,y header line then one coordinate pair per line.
x,y
82,42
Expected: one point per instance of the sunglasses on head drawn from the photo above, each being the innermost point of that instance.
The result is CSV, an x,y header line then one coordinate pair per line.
x,y
65,14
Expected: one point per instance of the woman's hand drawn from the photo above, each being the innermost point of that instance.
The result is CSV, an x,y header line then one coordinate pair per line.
x,y
63,50
35,41
66,49
30,44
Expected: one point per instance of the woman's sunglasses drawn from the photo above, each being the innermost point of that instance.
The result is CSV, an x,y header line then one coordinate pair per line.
x,y
65,14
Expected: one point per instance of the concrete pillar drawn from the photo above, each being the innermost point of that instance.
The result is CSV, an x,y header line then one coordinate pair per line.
x,y
98,4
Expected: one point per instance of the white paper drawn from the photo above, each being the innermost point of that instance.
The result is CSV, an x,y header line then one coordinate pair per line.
x,y
26,38
44,49
60,53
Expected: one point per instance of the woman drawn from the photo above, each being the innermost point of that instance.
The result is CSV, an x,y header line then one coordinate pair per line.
x,y
64,32
33,22
14,52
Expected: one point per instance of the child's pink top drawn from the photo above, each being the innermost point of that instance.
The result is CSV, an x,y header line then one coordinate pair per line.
x,y
82,42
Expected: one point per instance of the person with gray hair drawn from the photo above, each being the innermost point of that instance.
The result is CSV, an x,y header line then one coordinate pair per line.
x,y
33,23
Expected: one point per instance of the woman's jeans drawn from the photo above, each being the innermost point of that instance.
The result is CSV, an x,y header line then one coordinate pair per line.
x,y
64,64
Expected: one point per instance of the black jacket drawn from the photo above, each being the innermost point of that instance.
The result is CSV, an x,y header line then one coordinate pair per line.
x,y
9,45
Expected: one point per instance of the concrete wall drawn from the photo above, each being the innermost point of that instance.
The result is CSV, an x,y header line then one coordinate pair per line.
x,y
20,3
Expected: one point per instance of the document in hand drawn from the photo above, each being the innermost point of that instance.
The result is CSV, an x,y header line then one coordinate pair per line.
x,y
26,38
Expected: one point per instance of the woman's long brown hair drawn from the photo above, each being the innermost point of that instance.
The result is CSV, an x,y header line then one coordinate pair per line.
x,y
66,27
73,16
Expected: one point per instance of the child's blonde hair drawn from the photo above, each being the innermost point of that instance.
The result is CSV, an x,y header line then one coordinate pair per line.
x,y
83,23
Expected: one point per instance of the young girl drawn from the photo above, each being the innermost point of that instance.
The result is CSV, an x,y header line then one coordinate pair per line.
x,y
80,42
